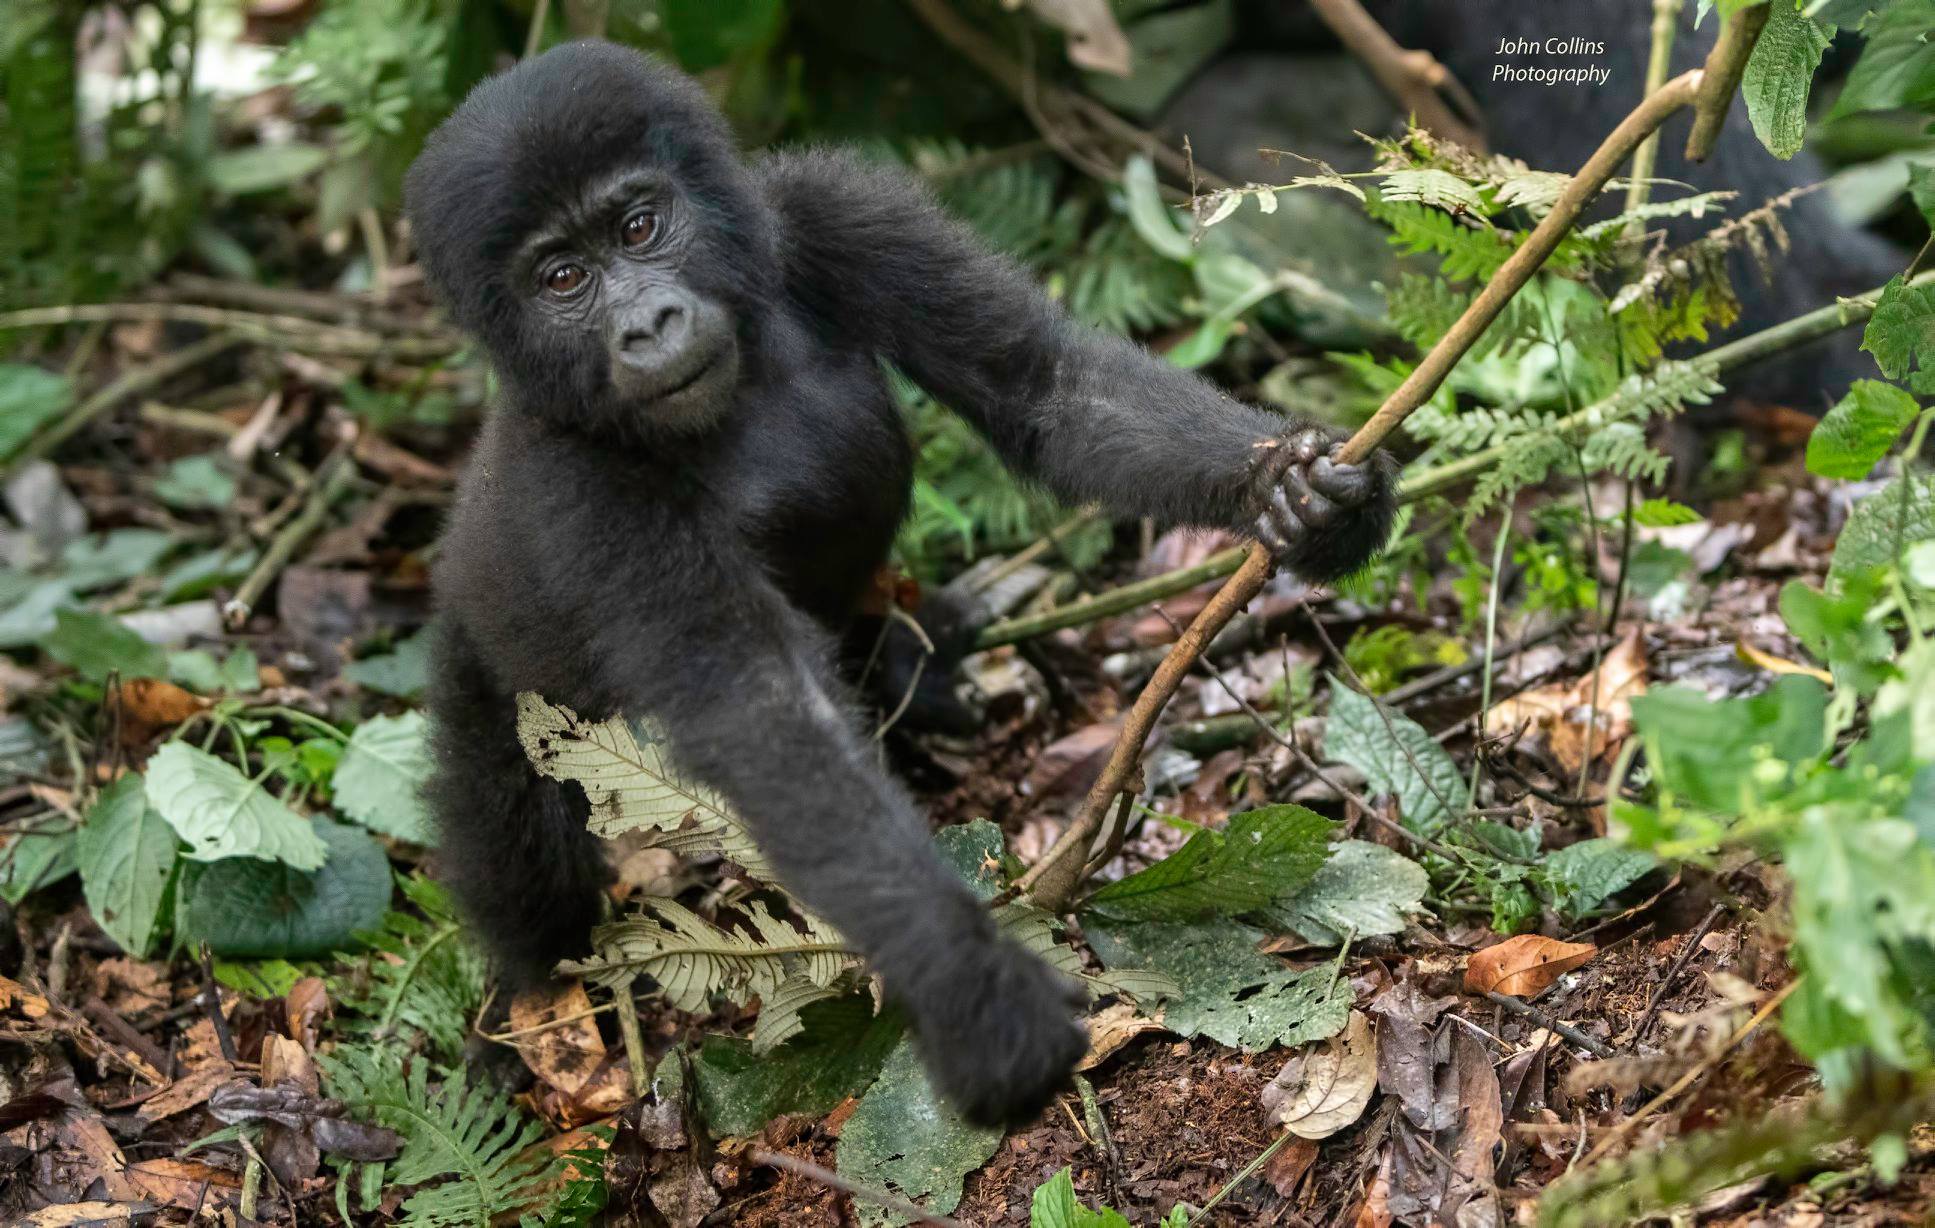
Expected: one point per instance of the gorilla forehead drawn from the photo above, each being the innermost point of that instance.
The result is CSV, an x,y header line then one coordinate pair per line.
x,y
527,142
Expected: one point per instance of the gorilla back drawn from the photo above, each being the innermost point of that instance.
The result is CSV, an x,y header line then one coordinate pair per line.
x,y
693,471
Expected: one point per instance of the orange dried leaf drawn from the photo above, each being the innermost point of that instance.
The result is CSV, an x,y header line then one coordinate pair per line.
x,y
1522,966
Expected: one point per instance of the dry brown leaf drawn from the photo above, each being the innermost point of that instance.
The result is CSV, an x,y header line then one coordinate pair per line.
x,y
305,1008
1375,1210
149,704
1319,1092
183,1184
16,999
186,1092
81,1215
1287,1167
1095,42
1562,713
1522,966
1112,1027
559,1041
131,986
1760,658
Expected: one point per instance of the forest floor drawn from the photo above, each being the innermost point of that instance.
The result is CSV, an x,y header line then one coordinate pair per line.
x,y
1654,1022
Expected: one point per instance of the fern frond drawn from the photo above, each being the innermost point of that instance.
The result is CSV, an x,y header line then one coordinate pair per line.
x,y
1468,250
694,960
476,1138
1117,282
420,974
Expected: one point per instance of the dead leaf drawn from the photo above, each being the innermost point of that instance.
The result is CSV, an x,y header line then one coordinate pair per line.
x,y
85,1215
1112,1027
1590,716
1524,965
305,1008
1095,42
1319,1092
1287,1167
317,1117
1484,1109
1760,658
149,705
558,1039
183,1184
16,999
186,1092
1375,1211
131,986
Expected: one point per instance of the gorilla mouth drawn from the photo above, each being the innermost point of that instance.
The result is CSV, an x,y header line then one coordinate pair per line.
x,y
704,369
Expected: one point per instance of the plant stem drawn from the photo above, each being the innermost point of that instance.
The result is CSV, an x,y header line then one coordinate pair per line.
x,y
1491,643
1659,59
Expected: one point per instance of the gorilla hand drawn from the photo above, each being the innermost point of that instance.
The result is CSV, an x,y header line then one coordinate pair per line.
x,y
1322,518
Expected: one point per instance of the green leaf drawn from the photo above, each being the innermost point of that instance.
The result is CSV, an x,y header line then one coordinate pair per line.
x,y
32,617
1396,756
221,813
1261,856
1780,72
29,399
1665,514
1231,993
1860,430
403,671
1587,874
1883,525
1921,189
196,669
1055,1206
380,779
1901,333
196,483
903,1139
101,559
1836,627
263,168
1150,217
1708,752
1363,890
840,1051
246,908
974,850
33,859
1897,66
126,853
96,645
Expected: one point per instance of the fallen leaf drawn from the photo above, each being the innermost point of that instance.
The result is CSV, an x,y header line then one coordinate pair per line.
x,y
305,1008
17,999
131,986
1287,1167
1522,966
186,1185
1112,1027
149,705
319,1118
558,1039
1375,1210
1760,658
85,1215
1095,42
186,1092
1318,1093
1588,717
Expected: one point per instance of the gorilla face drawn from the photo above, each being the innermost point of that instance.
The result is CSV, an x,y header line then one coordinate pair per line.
x,y
587,219
607,273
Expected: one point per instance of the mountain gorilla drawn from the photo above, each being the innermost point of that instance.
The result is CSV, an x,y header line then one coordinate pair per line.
x,y
694,470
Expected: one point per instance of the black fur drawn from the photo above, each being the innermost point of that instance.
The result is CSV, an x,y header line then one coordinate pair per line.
x,y
694,556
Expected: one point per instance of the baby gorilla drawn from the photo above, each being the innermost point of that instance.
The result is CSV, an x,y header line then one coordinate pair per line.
x,y
693,472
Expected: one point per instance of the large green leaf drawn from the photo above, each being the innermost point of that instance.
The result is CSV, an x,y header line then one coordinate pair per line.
x,y
1897,66
1587,874
35,858
1780,73
1364,889
1883,525
380,779
126,853
1709,752
259,909
29,399
1261,856
97,645
1860,430
1396,756
840,1050
1055,1206
263,168
1232,993
221,813
1901,333
903,1139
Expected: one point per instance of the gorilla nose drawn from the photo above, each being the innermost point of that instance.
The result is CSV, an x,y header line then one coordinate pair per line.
x,y
654,328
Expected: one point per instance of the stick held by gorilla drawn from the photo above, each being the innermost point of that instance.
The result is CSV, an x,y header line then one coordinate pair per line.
x,y
694,469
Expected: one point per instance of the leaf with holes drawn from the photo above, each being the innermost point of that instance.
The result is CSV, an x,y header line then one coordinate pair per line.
x,y
693,959
221,813
1321,1091
902,1138
1363,890
1261,856
1396,755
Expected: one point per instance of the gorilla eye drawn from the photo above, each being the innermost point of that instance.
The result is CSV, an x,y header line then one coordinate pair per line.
x,y
639,228
565,278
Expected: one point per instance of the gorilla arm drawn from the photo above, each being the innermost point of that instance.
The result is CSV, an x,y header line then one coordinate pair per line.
x,y
1092,416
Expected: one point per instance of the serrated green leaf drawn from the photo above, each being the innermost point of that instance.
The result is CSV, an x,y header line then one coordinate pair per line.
x,y
1396,755
838,1052
1883,525
380,779
1780,74
901,1138
1664,514
1055,1206
126,854
403,671
218,812
1708,752
1859,430
1231,993
1363,890
245,908
29,399
1261,856
1897,66
1921,189
1835,626
1587,874
95,645
1901,333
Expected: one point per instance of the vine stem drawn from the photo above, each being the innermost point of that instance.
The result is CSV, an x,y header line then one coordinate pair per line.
x,y
1052,881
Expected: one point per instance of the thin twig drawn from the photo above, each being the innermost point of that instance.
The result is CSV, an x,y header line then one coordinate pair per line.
x,y
1412,78
1679,964
834,1181
211,997
292,332
1659,62
330,480
1551,1023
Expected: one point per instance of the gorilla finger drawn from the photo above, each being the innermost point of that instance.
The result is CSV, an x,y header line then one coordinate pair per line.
x,y
1345,484
1309,507
1272,535
1306,445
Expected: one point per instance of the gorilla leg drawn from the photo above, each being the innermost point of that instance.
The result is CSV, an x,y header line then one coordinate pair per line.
x,y
514,848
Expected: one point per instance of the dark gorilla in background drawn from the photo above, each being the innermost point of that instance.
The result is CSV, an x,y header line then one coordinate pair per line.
x,y
695,468
1556,127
